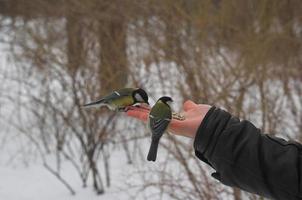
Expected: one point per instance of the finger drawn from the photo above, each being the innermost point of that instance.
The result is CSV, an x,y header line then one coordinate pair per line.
x,y
177,124
143,116
174,124
138,108
188,105
144,106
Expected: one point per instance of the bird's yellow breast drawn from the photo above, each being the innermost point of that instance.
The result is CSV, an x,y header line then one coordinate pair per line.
x,y
123,102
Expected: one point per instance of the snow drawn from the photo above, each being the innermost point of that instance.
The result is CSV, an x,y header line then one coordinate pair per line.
x,y
36,183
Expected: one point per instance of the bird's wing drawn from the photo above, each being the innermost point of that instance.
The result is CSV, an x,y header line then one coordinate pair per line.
x,y
115,95
111,97
159,126
94,103
124,91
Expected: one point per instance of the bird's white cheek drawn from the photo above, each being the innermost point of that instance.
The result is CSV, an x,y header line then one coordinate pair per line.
x,y
170,104
139,98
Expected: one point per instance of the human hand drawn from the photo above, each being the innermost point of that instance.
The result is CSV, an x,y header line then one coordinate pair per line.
x,y
194,114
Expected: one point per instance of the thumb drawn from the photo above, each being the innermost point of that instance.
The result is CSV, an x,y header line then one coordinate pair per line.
x,y
188,105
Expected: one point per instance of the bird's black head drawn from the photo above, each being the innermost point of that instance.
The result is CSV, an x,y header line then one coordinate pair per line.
x,y
140,96
166,100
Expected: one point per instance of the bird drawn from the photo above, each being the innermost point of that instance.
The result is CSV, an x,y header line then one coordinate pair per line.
x,y
120,99
159,119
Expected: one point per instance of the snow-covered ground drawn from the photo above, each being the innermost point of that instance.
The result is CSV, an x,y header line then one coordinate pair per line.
x,y
22,180
35,183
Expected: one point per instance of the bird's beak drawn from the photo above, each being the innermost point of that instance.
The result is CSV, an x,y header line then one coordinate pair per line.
x,y
94,104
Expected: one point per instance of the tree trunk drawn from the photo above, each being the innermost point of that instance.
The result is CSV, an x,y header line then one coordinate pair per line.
x,y
114,64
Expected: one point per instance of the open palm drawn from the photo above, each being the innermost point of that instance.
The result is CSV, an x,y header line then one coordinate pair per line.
x,y
194,114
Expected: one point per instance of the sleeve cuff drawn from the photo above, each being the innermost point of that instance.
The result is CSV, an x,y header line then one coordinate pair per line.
x,y
209,130
201,139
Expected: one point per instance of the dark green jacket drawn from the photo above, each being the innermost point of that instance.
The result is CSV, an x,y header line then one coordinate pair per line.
x,y
243,157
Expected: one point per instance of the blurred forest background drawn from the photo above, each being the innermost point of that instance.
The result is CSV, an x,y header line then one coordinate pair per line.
x,y
244,56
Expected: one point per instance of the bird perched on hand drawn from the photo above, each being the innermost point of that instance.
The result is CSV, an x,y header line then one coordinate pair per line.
x,y
119,100
159,119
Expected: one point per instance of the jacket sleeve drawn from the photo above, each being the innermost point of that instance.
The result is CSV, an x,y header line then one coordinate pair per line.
x,y
243,157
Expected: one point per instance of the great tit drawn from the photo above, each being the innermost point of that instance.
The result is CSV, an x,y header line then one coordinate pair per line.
x,y
120,99
159,119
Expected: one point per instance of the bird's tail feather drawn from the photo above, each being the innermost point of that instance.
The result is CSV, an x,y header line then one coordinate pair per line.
x,y
97,103
153,150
